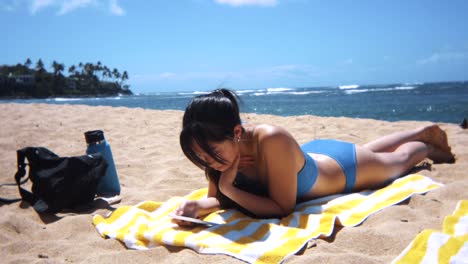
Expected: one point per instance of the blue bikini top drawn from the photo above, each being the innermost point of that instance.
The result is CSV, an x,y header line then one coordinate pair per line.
x,y
306,178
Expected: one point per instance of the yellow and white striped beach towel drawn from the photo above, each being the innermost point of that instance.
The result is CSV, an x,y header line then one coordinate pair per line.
x,y
147,224
449,246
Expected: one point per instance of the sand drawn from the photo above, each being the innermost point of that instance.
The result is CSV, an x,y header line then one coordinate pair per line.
x,y
151,166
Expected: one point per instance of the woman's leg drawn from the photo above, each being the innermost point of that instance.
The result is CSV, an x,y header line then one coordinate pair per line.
x,y
432,134
375,169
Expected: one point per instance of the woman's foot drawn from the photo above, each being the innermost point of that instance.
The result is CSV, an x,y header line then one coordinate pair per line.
x,y
440,156
439,149
435,136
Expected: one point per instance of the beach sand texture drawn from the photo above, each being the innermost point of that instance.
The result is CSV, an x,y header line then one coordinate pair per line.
x,y
151,166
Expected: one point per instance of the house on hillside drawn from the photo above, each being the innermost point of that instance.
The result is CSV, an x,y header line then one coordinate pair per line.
x,y
24,79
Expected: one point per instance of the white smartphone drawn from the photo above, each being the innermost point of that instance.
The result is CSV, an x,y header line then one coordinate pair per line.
x,y
191,219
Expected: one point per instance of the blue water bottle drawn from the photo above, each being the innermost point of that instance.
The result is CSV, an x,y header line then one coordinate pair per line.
x,y
109,184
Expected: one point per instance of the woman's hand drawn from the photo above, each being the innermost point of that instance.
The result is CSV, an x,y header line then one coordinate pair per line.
x,y
196,209
188,208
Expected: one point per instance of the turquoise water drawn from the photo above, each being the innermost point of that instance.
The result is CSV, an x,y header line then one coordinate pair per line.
x,y
437,102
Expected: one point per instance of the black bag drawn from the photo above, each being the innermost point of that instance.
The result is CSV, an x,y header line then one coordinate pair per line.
x,y
58,182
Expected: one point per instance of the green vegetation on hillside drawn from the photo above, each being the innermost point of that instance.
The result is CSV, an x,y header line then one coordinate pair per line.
x,y
85,79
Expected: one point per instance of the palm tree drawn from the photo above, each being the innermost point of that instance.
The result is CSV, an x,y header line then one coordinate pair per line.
x,y
55,67
80,66
72,69
41,80
58,68
98,68
40,66
27,63
124,76
107,72
72,77
116,74
88,70
58,81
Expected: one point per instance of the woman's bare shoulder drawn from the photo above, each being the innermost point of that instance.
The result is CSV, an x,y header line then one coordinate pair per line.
x,y
267,130
268,135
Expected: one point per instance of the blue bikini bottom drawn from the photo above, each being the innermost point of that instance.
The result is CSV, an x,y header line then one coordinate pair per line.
x,y
343,153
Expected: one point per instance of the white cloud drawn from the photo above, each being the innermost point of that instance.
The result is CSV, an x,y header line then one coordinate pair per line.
x,y
40,4
71,5
9,6
116,9
248,2
68,6
439,57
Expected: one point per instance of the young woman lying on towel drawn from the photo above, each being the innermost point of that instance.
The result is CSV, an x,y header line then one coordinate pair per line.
x,y
263,171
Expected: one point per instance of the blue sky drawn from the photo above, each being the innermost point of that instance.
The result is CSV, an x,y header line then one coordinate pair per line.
x,y
186,45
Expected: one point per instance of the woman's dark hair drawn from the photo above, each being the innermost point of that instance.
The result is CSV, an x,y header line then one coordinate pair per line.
x,y
209,118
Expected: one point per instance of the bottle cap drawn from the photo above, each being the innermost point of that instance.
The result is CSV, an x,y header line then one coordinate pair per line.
x,y
94,136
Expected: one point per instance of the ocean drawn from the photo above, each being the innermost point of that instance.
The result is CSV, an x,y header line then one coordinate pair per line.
x,y
437,102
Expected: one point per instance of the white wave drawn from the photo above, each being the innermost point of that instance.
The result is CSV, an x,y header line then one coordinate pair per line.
x,y
59,99
193,93
306,92
405,88
380,89
245,91
356,91
102,98
290,91
280,89
63,99
383,89
351,86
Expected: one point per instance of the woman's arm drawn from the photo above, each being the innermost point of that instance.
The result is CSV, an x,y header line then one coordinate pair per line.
x,y
211,203
279,151
196,208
